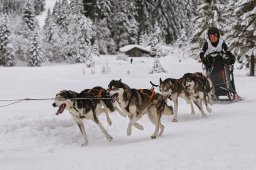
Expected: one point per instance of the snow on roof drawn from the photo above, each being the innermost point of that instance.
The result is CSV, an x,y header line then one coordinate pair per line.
x,y
129,47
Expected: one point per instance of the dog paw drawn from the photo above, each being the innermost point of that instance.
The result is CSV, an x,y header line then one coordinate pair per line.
x,y
193,113
204,116
174,120
138,126
209,109
153,137
129,133
84,144
110,138
109,123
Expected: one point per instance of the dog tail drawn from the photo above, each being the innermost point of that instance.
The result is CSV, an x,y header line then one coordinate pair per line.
x,y
154,85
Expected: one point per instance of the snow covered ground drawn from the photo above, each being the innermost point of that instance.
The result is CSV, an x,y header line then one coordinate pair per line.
x,y
32,137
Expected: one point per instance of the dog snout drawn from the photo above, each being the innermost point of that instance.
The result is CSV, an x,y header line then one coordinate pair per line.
x,y
108,94
54,105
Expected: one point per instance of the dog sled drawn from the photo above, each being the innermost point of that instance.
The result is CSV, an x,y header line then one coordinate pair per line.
x,y
220,70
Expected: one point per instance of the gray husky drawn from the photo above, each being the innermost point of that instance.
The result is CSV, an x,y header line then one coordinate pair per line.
x,y
137,102
173,89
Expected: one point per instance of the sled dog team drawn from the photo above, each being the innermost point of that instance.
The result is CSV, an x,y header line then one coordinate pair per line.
x,y
134,103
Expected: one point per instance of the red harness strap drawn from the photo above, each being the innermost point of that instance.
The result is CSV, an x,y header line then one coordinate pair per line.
x,y
153,93
100,93
95,90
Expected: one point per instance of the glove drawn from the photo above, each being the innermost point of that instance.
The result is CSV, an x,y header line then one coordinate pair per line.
x,y
202,56
229,58
207,61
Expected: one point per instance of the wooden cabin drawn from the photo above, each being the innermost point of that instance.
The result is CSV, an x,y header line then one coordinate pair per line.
x,y
135,50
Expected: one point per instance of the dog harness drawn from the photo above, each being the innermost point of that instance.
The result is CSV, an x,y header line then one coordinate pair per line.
x,y
151,96
95,90
153,93
178,90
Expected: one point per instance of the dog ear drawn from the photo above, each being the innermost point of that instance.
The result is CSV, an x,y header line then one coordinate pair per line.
x,y
120,80
160,80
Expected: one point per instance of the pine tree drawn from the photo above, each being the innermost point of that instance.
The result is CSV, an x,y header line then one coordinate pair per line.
x,y
39,6
84,52
79,27
154,41
29,14
54,39
35,54
166,17
103,9
96,50
122,22
7,56
60,14
105,41
144,17
209,15
186,10
157,67
132,31
242,35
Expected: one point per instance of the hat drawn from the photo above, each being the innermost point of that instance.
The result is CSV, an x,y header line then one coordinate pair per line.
x,y
213,30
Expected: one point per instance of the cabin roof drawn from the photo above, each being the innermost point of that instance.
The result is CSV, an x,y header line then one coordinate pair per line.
x,y
130,47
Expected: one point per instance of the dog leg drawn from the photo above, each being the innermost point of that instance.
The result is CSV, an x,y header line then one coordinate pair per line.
x,y
192,107
120,111
210,99
82,129
136,124
105,109
104,131
197,103
157,126
155,117
108,119
161,130
188,100
175,101
207,106
133,121
206,102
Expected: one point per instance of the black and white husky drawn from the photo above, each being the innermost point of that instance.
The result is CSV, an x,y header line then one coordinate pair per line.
x,y
137,102
199,89
84,105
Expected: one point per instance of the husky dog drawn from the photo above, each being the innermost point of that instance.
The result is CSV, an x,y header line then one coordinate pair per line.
x,y
101,97
173,89
138,102
80,106
198,89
